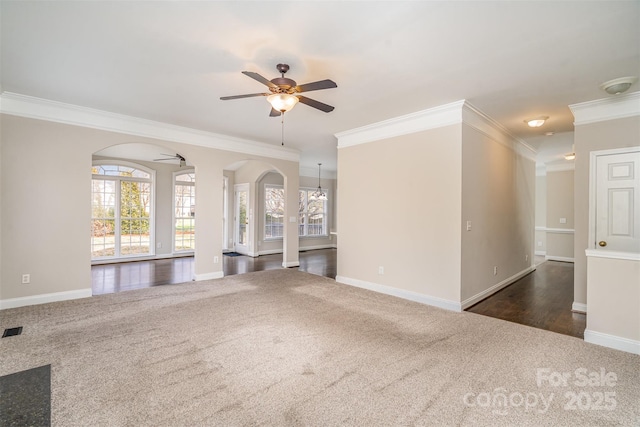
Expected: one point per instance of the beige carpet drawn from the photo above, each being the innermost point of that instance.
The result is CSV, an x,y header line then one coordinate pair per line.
x,y
284,347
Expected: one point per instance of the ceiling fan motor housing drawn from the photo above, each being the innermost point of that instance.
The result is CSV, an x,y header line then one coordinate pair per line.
x,y
284,85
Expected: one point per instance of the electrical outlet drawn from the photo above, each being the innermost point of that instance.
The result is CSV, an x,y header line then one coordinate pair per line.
x,y
159,245
468,225
563,220
540,243
216,259
381,270
495,270
26,278
526,257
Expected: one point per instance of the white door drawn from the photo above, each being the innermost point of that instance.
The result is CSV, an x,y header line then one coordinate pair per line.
x,y
618,202
242,218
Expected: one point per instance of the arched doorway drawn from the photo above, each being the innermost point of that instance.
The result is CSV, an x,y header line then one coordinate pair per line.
x,y
142,208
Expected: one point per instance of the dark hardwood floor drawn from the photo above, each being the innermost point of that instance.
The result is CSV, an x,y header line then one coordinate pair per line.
x,y
109,278
541,299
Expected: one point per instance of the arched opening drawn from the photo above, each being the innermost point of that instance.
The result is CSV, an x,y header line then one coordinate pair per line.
x,y
256,206
142,209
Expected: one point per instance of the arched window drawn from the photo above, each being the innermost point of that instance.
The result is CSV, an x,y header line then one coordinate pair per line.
x,y
121,210
184,211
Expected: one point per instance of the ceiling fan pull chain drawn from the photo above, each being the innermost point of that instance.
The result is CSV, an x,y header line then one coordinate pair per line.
x,y
282,121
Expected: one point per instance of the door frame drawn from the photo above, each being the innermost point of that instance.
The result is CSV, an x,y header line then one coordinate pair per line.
x,y
243,249
593,157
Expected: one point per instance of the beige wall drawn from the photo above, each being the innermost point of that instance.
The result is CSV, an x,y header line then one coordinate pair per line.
x,y
604,135
230,175
560,189
399,208
614,298
541,214
46,175
560,199
498,197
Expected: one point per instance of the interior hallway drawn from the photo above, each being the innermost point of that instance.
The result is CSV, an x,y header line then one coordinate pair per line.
x,y
542,299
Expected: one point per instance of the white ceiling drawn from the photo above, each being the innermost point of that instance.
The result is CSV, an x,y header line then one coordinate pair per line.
x,y
171,61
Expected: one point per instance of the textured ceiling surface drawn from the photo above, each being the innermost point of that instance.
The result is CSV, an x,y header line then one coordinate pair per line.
x,y
172,61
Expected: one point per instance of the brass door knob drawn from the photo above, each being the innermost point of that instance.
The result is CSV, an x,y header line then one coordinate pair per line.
x,y
602,243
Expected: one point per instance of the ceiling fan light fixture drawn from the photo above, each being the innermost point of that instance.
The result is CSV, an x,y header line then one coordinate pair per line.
x,y
282,102
618,86
537,122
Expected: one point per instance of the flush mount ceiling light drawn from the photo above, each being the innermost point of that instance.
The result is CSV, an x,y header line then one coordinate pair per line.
x,y
537,122
618,86
572,154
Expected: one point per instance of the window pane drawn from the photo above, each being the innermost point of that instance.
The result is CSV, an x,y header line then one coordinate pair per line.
x,y
274,212
186,177
184,212
103,205
132,200
312,215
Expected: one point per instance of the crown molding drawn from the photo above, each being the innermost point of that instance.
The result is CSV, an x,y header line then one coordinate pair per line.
x,y
53,111
485,124
600,110
449,114
561,167
431,118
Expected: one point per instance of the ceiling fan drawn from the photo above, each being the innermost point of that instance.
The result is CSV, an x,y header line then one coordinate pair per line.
x,y
177,156
283,92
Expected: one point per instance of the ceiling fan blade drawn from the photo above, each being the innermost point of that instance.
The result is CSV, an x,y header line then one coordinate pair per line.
x,y
161,160
249,95
316,104
322,84
274,113
259,78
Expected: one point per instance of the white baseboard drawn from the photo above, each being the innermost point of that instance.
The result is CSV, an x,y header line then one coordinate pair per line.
x,y
540,253
290,264
45,298
578,307
495,288
401,293
612,341
270,252
208,276
558,258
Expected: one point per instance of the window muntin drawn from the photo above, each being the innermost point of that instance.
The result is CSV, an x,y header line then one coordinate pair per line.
x,y
184,211
121,211
273,212
119,170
